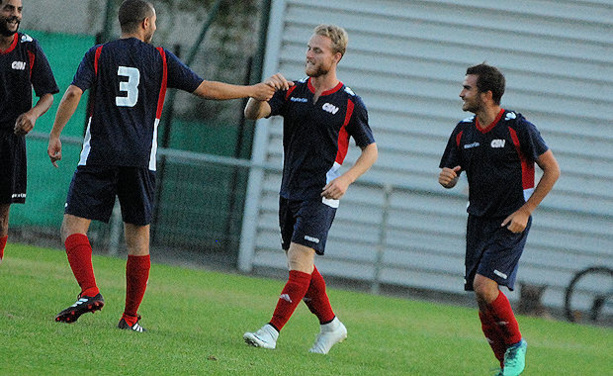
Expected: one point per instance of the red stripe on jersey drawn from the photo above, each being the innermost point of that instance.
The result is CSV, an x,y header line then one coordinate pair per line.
x,y
32,59
12,46
489,127
289,92
97,57
527,169
343,136
458,138
158,114
327,92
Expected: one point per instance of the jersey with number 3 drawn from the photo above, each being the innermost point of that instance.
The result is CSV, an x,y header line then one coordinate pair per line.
x,y
127,79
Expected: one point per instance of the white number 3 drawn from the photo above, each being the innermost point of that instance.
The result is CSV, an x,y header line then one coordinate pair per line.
x,y
130,86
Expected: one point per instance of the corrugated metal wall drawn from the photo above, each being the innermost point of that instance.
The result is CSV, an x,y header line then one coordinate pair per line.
x,y
407,60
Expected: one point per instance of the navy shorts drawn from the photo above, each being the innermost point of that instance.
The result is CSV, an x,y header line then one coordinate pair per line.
x,y
93,190
305,222
13,168
492,251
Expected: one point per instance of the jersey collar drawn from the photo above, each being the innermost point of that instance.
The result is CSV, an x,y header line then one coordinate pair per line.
x,y
327,92
491,126
12,46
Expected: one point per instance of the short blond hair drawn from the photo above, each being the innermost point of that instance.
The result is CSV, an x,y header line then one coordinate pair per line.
x,y
337,35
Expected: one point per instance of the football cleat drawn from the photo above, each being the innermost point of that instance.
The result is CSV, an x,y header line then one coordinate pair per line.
x,y
515,359
135,328
266,337
83,305
330,334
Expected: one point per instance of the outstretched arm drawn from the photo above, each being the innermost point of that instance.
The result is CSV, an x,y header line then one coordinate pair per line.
x,y
26,121
336,188
65,110
517,221
223,91
257,109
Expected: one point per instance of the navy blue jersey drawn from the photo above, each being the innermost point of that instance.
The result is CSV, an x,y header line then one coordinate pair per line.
x,y
316,135
22,66
498,161
128,80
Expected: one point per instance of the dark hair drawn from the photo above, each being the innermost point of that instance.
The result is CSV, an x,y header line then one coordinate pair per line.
x,y
489,78
132,13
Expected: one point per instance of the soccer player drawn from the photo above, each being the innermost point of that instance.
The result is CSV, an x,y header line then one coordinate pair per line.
x,y
497,149
127,79
320,114
23,65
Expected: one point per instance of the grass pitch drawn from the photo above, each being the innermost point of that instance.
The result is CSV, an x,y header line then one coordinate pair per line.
x,y
195,321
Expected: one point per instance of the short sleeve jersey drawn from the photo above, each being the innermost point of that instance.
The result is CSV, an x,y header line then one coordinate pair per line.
x,y
498,161
316,135
23,66
127,79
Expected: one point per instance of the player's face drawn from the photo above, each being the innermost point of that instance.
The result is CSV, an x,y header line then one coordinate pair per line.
x,y
151,27
10,17
319,56
470,94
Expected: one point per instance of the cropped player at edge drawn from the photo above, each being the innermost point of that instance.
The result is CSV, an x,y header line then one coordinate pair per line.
x,y
497,149
127,79
320,114
23,66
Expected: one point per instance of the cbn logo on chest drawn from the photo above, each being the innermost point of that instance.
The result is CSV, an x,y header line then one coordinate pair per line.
x,y
498,144
329,107
18,65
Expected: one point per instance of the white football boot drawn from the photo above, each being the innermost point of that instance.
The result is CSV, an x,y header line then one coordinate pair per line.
x,y
329,335
265,337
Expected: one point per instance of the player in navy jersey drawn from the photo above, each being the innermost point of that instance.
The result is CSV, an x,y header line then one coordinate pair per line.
x,y
320,114
497,149
23,66
127,79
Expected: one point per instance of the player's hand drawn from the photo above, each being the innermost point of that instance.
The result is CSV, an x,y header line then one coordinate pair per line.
x,y
449,176
54,150
335,189
262,92
278,82
24,124
517,221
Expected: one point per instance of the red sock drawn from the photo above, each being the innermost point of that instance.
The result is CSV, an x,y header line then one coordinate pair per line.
x,y
2,245
493,336
137,275
79,253
501,312
317,299
293,292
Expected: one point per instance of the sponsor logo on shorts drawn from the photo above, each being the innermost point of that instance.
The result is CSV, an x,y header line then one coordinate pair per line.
x,y
311,239
500,274
19,65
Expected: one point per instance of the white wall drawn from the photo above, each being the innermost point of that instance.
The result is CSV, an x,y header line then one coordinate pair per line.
x,y
407,60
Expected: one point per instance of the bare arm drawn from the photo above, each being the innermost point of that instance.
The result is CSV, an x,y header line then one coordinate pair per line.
x,y
336,188
26,121
66,109
257,109
223,91
517,221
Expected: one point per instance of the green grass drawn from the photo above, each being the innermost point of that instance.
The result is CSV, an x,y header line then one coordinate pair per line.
x,y
196,320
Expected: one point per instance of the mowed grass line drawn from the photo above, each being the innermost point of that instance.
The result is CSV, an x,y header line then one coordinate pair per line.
x,y
196,319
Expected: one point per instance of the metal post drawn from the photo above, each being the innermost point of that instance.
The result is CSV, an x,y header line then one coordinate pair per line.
x,y
376,284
